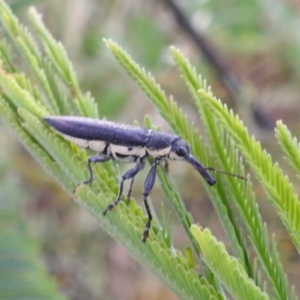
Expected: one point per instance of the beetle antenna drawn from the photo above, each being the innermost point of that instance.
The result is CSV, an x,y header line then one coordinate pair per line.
x,y
226,173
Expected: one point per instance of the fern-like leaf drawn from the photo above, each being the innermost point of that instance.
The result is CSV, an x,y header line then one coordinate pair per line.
x,y
230,272
242,195
289,145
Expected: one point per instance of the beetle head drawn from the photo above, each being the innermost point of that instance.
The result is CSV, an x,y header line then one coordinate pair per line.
x,y
181,151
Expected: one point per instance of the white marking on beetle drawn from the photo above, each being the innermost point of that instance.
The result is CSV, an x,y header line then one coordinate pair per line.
x,y
129,153
159,152
97,146
79,142
126,150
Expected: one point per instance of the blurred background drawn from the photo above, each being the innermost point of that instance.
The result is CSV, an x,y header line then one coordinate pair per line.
x,y
249,52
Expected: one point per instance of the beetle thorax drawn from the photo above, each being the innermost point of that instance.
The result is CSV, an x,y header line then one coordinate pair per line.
x,y
160,144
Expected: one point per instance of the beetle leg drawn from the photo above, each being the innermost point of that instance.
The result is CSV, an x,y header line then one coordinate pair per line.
x,y
148,186
93,159
128,175
130,188
166,166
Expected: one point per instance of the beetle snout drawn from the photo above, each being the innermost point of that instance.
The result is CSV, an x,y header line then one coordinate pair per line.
x,y
211,181
201,169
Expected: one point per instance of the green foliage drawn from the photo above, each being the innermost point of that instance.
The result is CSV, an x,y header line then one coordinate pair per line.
x,y
242,196
279,189
22,274
53,88
289,145
228,269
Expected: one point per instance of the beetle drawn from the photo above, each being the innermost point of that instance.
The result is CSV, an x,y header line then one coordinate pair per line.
x,y
127,144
